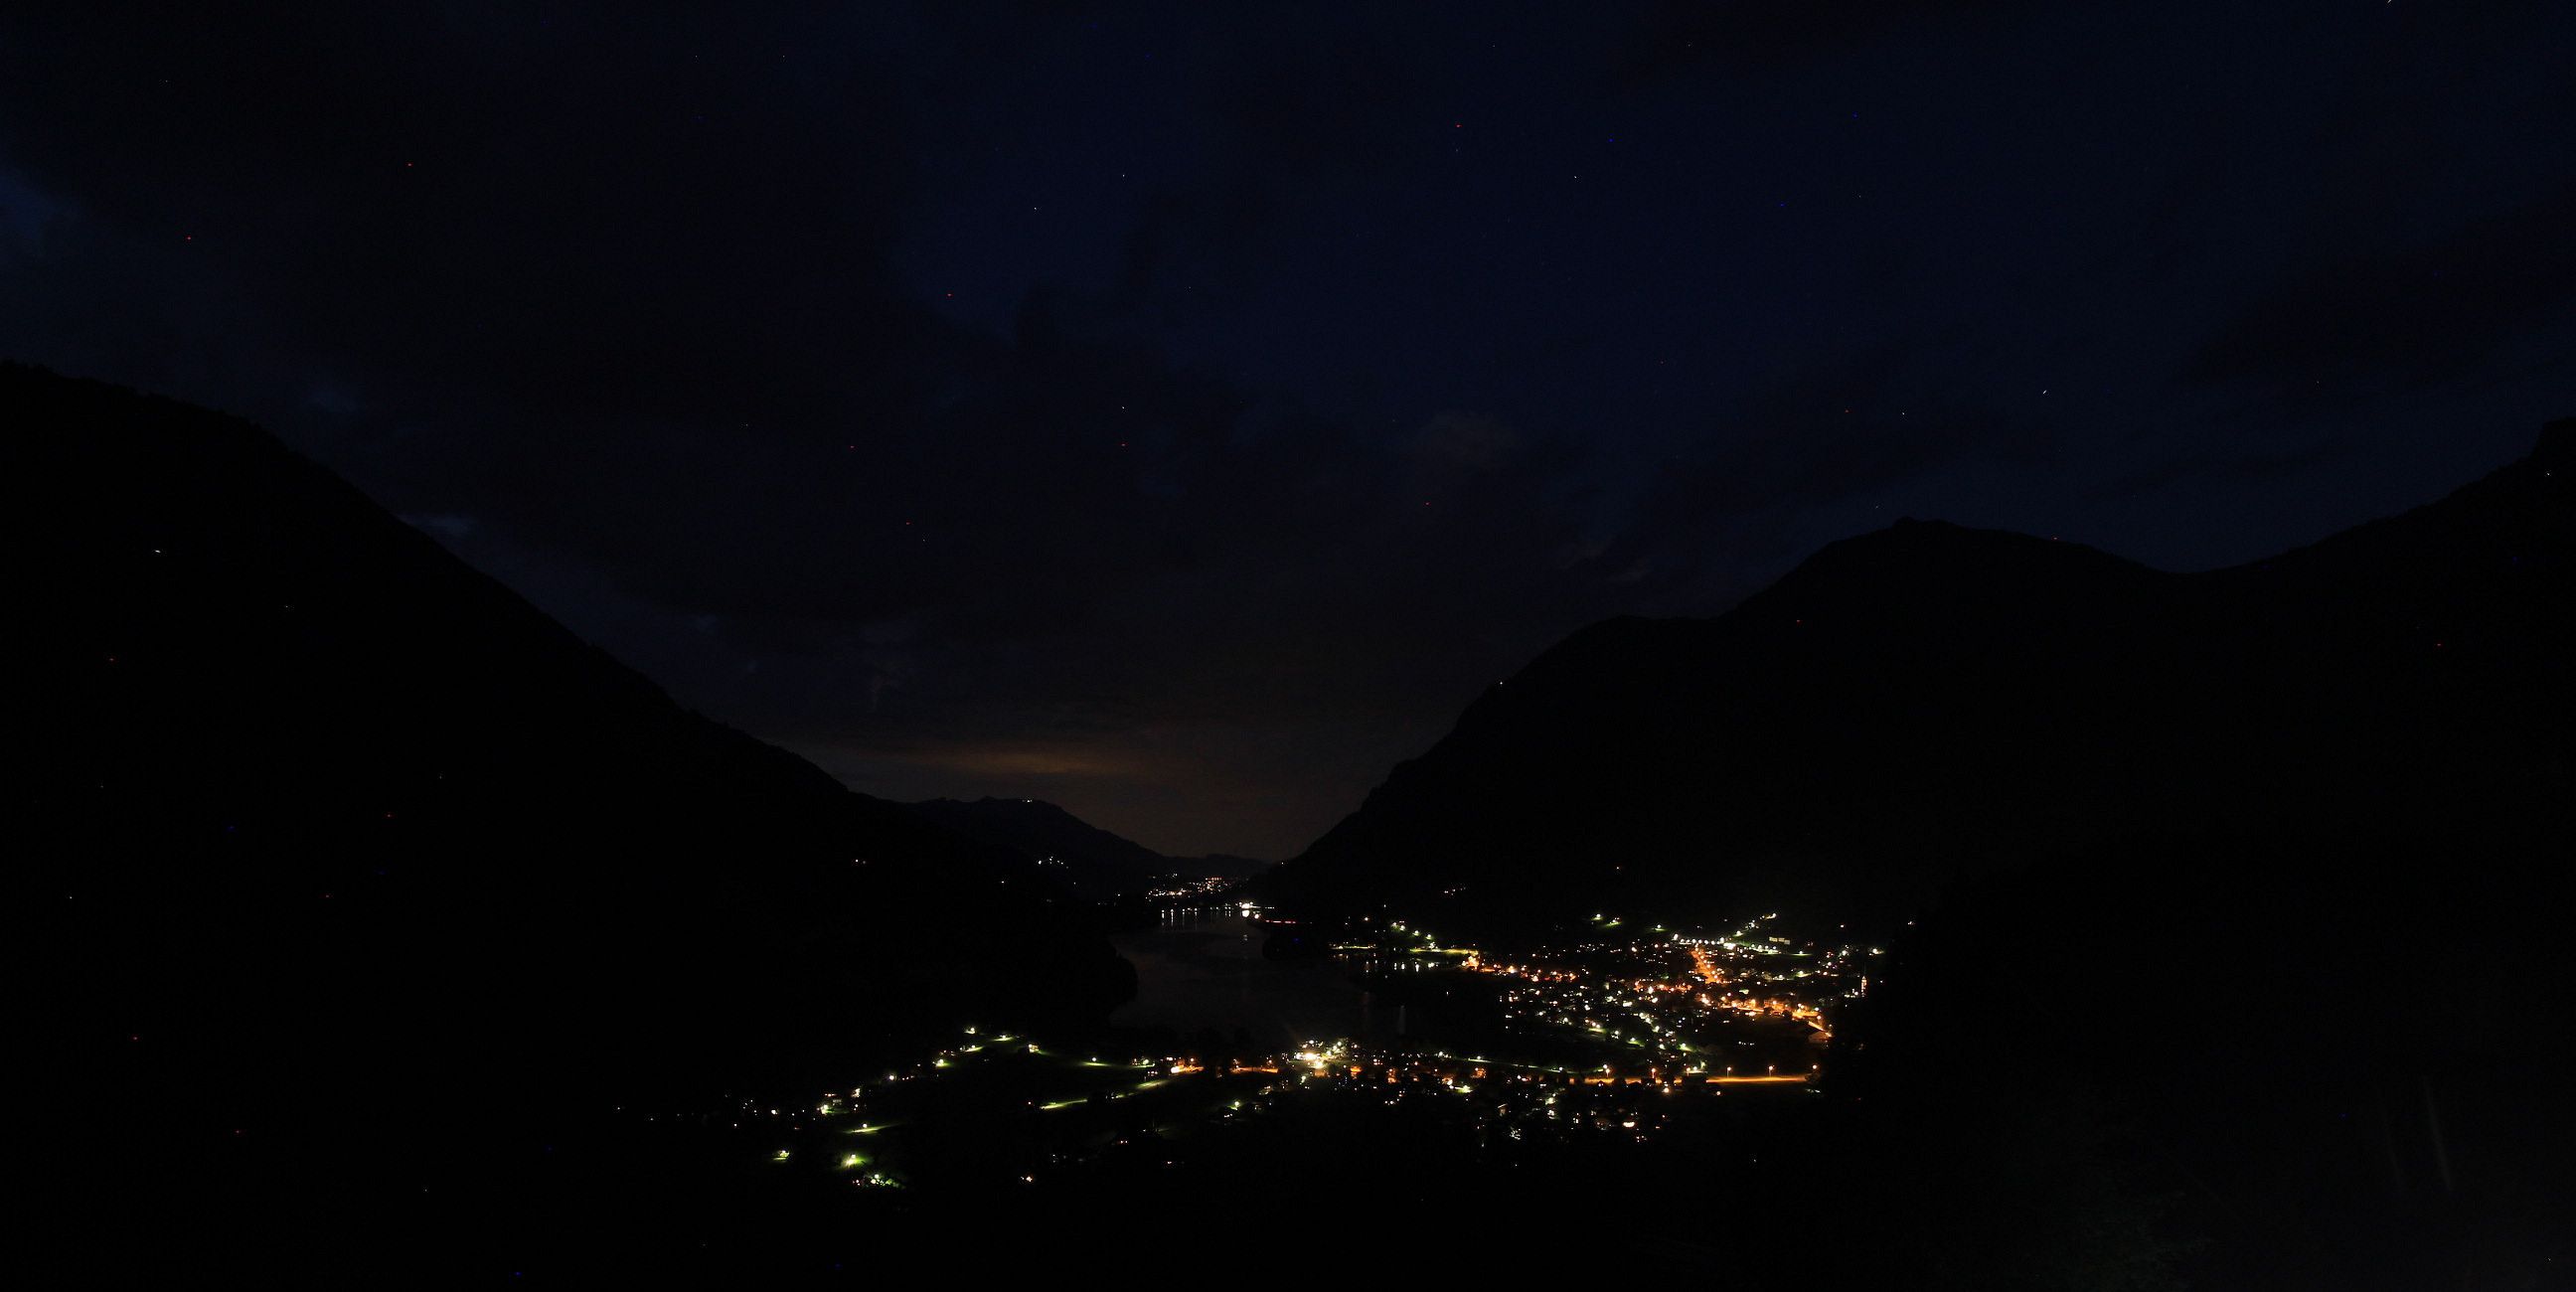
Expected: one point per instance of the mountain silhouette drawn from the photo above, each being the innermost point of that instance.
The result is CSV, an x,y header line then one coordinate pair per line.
x,y
1929,700
2223,911
381,867
1090,862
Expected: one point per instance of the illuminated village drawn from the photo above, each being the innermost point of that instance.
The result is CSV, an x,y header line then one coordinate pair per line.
x,y
1611,1038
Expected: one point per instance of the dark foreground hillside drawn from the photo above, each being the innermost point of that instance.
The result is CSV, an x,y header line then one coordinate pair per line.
x,y
349,874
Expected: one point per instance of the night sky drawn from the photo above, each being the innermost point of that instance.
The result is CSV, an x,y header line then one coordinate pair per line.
x,y
1181,415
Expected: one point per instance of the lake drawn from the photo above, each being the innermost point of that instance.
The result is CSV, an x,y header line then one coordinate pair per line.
x,y
1204,968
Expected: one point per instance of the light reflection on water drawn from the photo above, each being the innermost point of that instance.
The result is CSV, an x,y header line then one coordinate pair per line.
x,y
1204,969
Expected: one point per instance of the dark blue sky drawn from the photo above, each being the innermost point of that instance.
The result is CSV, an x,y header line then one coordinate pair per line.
x,y
1180,414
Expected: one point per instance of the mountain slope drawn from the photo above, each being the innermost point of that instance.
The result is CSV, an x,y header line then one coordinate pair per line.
x,y
1091,862
325,823
1927,699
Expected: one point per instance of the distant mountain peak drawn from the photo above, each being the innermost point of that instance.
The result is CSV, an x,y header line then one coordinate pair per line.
x,y
1096,862
1931,696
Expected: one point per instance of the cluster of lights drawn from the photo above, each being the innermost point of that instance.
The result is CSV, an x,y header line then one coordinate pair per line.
x,y
1189,889
1668,994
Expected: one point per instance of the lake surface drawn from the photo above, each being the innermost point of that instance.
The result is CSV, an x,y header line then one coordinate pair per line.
x,y
1201,969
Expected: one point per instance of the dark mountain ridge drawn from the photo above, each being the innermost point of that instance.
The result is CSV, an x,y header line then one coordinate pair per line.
x,y
2224,910
1091,862
1928,699
349,867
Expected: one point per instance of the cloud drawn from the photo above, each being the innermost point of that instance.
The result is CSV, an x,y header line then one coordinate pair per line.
x,y
1296,415
25,211
1676,37
1741,505
2416,313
